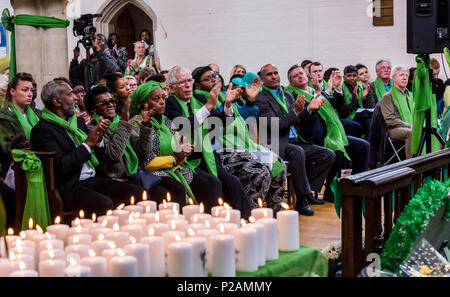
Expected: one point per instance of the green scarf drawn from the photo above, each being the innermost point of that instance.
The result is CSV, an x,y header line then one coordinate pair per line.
x,y
405,109
130,157
380,88
237,136
166,148
36,205
336,138
349,98
202,132
26,20
26,123
72,127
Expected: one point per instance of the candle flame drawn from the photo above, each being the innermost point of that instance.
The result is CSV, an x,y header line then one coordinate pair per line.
x,y
220,201
78,229
94,217
133,240
77,222
101,237
91,253
169,198
73,261
49,246
82,214
48,235
144,196
151,231
177,237
30,223
251,219
76,240
216,212
130,219
19,242
265,213
243,223
174,209
111,245
10,231
227,206
136,215
132,200
157,216
121,252
105,222
109,213
173,225
116,228
202,207
23,235
147,209
285,205
191,232
221,228
260,203
12,256
22,265
39,229
120,207
164,204
58,220
207,224
51,254
195,218
228,216
191,202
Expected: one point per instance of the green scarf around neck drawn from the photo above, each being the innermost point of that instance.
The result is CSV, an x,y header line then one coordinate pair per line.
x,y
72,127
281,101
405,109
130,157
36,205
27,123
166,148
202,132
380,88
349,98
336,139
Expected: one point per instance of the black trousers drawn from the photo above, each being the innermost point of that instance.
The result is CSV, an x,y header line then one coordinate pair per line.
x,y
352,128
168,185
309,165
99,195
9,202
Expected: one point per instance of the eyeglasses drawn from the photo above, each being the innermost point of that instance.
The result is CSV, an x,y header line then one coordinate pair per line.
x,y
211,78
186,82
107,102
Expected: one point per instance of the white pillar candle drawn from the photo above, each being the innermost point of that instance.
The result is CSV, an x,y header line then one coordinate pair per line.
x,y
51,244
175,216
261,247
158,228
288,230
262,212
97,265
24,273
199,255
227,228
38,238
142,253
148,206
139,221
77,230
22,243
120,239
52,268
108,221
28,234
169,205
177,224
109,254
231,216
270,238
157,255
123,266
216,221
80,239
162,214
96,232
95,226
192,229
123,216
200,218
52,255
134,208
215,210
28,260
59,230
81,250
7,267
150,218
207,234
137,231
245,242
223,256
23,250
189,210
11,240
180,260
172,236
100,245
78,271
81,222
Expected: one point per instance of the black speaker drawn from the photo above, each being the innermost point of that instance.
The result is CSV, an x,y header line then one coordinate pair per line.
x,y
428,26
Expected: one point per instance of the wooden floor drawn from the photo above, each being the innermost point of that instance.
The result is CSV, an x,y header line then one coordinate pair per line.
x,y
322,228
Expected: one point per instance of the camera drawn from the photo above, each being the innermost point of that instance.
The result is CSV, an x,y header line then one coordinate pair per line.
x,y
84,27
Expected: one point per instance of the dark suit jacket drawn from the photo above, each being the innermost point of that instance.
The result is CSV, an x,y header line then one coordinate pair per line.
x,y
269,108
69,159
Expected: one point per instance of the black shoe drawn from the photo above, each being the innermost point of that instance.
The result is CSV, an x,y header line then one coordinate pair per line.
x,y
312,200
328,195
303,208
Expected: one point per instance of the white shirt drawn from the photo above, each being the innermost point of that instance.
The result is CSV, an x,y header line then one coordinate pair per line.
x,y
203,113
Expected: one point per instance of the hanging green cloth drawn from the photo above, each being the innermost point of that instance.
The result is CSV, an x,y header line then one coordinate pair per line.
x,y
424,99
349,98
166,147
27,123
202,132
36,205
380,88
72,127
9,21
130,157
2,218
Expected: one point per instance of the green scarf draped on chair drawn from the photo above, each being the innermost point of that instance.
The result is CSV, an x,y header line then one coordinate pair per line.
x,y
380,88
72,127
36,205
26,20
202,132
166,148
237,136
349,98
130,157
27,123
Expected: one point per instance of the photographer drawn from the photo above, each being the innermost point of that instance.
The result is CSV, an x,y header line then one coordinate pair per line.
x,y
89,71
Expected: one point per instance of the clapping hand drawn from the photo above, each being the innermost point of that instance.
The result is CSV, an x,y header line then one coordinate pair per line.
x,y
316,102
299,104
316,85
147,115
213,97
231,95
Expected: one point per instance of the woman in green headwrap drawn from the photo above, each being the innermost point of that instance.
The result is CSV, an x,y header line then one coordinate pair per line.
x,y
17,116
167,159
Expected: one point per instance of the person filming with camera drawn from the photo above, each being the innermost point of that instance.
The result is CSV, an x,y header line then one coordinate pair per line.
x,y
90,70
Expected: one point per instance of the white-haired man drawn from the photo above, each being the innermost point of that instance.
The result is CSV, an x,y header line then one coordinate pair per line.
x,y
383,83
397,108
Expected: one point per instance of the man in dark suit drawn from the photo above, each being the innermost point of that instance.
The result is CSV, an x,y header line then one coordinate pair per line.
x,y
181,105
60,131
309,164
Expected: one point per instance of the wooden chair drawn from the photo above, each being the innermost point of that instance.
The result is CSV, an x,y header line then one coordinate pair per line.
x,y
55,201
